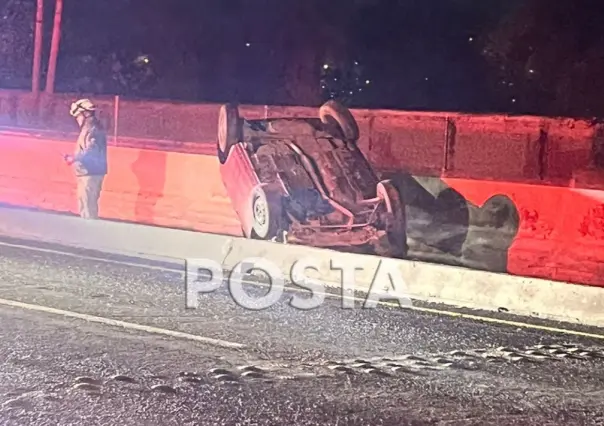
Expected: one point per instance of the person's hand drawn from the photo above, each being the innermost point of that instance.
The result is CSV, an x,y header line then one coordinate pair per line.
x,y
68,159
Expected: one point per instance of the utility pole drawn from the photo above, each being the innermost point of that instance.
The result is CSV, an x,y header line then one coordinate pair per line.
x,y
54,48
35,76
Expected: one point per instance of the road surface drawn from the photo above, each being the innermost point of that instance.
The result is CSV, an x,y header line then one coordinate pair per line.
x,y
65,363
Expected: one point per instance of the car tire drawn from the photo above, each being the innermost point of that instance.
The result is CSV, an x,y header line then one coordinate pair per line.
x,y
397,229
267,214
229,130
333,111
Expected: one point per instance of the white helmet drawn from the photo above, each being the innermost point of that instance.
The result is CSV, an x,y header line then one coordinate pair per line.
x,y
80,106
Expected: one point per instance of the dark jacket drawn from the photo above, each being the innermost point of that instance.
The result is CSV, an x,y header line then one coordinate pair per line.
x,y
90,157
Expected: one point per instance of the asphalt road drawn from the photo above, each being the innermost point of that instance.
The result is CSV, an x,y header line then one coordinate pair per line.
x,y
274,367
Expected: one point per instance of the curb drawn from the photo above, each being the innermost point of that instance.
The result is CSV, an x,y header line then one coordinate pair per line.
x,y
450,285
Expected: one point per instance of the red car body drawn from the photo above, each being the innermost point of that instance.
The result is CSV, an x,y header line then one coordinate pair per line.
x,y
304,181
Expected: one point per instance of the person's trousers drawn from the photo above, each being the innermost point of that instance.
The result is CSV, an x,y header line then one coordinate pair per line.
x,y
89,192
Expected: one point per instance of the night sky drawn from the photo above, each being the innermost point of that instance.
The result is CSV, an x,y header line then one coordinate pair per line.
x,y
407,54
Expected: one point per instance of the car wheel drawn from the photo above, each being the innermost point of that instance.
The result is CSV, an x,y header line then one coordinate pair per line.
x,y
397,224
229,127
333,111
267,214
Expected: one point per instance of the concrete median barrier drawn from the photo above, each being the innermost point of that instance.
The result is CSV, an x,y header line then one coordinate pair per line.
x,y
145,184
522,195
454,286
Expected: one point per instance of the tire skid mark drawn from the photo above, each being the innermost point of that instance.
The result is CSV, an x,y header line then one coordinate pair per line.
x,y
265,372
468,359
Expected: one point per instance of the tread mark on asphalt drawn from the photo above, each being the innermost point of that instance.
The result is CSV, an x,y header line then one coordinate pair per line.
x,y
469,360
164,389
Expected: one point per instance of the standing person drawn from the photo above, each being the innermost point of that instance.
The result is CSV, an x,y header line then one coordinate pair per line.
x,y
90,158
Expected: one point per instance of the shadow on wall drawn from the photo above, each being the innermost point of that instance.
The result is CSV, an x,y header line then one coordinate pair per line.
x,y
443,227
150,171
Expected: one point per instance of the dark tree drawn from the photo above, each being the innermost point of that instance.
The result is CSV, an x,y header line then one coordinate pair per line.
x,y
272,51
142,48
16,42
422,55
549,57
303,36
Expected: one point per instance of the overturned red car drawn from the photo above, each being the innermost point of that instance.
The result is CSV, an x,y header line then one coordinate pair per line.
x,y
304,181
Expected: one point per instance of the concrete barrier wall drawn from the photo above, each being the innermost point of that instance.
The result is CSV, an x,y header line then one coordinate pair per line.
x,y
523,149
521,192
144,185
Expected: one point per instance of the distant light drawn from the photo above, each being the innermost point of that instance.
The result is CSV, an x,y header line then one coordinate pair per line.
x,y
351,92
532,71
248,44
356,63
325,67
471,39
514,100
427,79
367,81
142,59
